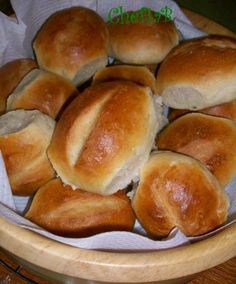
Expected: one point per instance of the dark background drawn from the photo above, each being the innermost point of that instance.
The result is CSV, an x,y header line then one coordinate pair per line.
x,y
221,11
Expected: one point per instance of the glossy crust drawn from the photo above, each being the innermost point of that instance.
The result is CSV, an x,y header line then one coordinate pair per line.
x,y
199,73
175,191
10,75
143,42
24,138
138,74
41,90
72,43
227,110
212,140
77,213
102,142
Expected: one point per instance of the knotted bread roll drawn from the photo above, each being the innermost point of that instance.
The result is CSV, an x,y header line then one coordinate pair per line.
x,y
105,136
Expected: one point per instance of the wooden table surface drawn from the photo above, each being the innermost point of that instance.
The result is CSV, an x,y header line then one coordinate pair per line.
x,y
12,273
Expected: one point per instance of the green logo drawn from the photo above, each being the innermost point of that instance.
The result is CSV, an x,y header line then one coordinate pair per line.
x,y
144,15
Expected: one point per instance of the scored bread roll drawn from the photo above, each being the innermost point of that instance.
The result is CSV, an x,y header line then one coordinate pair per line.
x,y
199,73
77,213
24,138
72,43
138,74
146,41
227,110
10,75
105,136
210,139
175,191
41,90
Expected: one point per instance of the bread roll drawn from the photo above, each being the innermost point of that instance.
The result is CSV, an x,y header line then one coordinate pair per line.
x,y
41,90
212,140
24,138
10,75
143,42
73,43
77,213
199,73
227,110
138,74
105,136
175,191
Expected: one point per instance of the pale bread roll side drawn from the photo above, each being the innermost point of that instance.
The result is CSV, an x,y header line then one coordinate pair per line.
x,y
199,73
10,76
24,139
41,90
178,191
227,110
105,136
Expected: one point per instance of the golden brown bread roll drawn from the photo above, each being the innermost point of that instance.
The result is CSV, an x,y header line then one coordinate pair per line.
x,y
72,43
145,42
178,191
77,213
41,90
199,73
10,75
138,74
24,138
105,136
210,139
227,110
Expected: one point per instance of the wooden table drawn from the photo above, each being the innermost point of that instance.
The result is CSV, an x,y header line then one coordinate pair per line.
x,y
12,273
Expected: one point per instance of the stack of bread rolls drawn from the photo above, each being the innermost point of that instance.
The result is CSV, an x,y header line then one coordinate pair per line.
x,y
79,154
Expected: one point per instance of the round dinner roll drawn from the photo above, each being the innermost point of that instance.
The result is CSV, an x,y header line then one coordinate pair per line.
x,y
138,74
199,73
105,136
72,43
10,75
144,40
178,191
77,213
41,90
24,138
227,110
210,139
